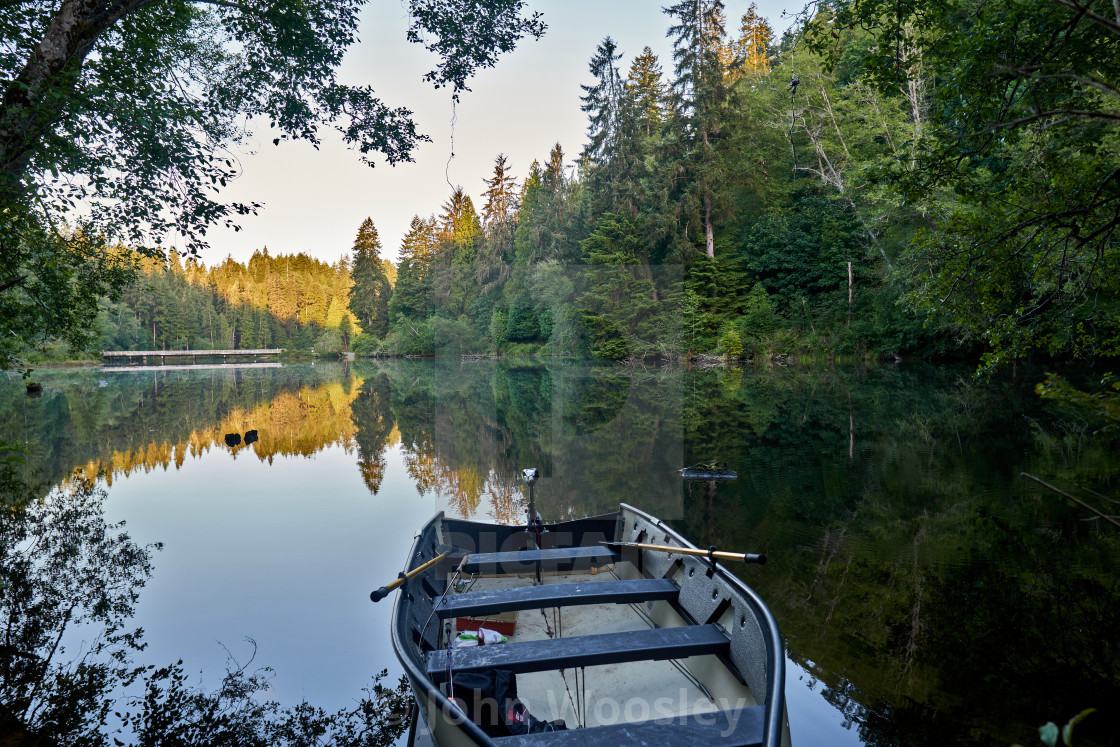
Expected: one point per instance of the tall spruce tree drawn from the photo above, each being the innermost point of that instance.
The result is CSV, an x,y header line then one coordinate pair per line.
x,y
498,221
700,95
371,291
602,102
647,90
751,51
412,294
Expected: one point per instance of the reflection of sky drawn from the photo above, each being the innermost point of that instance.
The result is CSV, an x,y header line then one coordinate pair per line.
x,y
285,554
813,720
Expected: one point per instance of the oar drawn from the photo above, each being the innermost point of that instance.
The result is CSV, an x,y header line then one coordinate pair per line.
x,y
712,553
377,596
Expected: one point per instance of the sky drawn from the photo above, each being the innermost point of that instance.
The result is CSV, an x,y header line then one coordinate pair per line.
x,y
315,200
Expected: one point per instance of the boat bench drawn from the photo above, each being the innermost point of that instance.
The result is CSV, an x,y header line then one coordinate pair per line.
x,y
737,728
495,601
521,561
583,651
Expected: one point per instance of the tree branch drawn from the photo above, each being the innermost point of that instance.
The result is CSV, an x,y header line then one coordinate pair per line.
x,y
1083,11
12,282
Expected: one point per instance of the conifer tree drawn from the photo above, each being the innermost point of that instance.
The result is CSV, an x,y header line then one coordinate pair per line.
x,y
412,294
751,51
647,90
527,235
602,102
700,94
499,221
370,292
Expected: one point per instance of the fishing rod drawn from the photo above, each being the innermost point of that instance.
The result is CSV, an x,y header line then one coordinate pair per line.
x,y
711,553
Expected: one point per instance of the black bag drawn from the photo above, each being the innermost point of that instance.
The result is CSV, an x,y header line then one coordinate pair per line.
x,y
489,699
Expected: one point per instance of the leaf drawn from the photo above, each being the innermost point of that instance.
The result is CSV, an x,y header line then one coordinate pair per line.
x,y
1048,733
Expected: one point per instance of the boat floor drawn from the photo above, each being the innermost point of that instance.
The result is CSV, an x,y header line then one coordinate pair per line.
x,y
597,695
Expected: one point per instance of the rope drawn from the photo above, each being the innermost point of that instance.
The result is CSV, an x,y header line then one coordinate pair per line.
x,y
447,166
457,574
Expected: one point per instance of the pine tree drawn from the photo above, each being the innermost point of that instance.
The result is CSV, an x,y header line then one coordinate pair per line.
x,y
700,95
647,90
602,102
412,293
752,49
371,292
499,221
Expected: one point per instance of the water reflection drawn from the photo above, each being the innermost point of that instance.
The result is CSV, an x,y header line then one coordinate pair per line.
x,y
929,594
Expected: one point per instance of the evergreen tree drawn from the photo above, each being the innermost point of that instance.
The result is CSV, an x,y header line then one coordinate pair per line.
x,y
370,293
751,51
412,294
647,90
602,102
528,237
700,95
499,222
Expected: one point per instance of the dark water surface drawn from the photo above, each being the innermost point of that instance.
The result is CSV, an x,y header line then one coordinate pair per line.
x,y
927,594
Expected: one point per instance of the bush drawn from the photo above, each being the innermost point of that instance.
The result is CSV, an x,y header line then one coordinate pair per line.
x,y
329,342
523,325
499,328
410,338
758,319
730,343
364,345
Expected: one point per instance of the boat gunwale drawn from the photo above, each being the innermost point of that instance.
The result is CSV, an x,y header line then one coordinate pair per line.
x,y
775,658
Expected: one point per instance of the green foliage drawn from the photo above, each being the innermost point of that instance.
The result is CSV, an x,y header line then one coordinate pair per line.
x,y
89,119
411,338
905,197
524,324
51,286
1103,405
730,344
607,341
371,293
758,318
1014,166
618,305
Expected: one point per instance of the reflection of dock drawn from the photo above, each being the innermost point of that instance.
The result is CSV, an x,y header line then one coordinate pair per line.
x,y
193,366
194,355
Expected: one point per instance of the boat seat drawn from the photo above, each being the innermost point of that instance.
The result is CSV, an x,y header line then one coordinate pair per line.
x,y
521,561
583,651
736,728
494,601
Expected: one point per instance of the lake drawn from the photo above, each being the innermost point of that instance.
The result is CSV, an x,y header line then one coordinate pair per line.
x,y
927,593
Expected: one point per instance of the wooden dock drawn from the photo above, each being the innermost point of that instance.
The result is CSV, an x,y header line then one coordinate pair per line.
x,y
143,355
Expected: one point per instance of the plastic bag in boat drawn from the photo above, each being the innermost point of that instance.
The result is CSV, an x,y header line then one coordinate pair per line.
x,y
490,699
479,637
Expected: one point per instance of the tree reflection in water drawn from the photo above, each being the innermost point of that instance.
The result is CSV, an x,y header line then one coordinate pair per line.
x,y
69,670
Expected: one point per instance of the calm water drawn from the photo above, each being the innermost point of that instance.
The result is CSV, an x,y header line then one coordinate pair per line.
x,y
926,592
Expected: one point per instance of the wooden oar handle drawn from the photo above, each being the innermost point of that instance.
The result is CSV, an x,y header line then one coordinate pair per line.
x,y
379,594
745,557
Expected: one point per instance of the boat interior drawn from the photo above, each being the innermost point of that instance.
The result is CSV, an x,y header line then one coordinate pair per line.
x,y
607,643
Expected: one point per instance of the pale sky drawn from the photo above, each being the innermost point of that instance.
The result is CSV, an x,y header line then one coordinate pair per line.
x,y
316,199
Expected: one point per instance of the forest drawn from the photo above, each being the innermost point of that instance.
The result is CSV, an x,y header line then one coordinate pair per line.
x,y
881,182
878,183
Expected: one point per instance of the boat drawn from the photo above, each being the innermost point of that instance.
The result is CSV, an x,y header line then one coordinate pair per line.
x,y
608,630
709,471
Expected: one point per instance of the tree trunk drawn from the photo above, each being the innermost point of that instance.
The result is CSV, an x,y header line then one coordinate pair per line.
x,y
35,99
709,234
